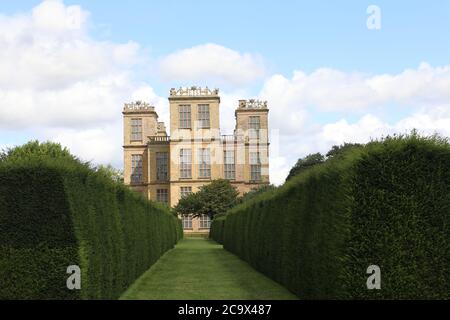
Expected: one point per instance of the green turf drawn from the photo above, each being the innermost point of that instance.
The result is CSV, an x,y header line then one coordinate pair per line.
x,y
201,269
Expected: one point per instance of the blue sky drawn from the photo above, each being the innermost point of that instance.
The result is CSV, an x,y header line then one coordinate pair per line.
x,y
288,42
290,34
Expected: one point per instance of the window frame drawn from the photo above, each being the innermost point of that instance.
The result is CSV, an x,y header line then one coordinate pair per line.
x,y
204,163
255,166
229,165
205,222
137,168
203,116
254,127
184,193
185,118
162,168
162,193
186,218
185,163
136,129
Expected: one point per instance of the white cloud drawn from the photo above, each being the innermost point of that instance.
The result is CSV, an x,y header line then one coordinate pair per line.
x,y
283,101
214,63
361,131
299,105
50,49
333,90
80,104
288,148
54,74
279,169
228,104
59,83
146,93
54,17
98,145
426,122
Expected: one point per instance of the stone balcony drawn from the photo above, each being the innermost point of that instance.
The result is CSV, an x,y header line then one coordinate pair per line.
x,y
193,92
138,107
158,139
252,104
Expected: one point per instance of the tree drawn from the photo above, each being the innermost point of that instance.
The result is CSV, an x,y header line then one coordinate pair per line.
x,y
36,150
188,204
214,198
257,191
337,151
305,163
111,172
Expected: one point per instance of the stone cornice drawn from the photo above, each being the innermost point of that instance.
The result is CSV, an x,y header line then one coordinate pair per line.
x,y
138,107
252,104
194,93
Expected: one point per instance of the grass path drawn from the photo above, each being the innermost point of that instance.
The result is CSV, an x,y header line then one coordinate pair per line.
x,y
201,269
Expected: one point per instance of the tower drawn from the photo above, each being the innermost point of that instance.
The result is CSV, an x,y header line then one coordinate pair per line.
x,y
195,135
253,155
140,122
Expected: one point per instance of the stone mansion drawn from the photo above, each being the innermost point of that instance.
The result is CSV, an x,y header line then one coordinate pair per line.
x,y
166,168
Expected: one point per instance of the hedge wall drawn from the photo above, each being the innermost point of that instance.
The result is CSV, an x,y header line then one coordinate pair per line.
x,y
54,215
386,204
217,227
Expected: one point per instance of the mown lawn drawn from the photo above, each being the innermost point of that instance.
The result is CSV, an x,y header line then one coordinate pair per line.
x,y
201,269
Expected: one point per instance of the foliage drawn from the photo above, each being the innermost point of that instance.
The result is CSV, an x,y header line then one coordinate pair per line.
x,y
214,198
312,160
112,173
36,150
189,204
305,163
386,203
257,191
56,211
337,151
216,231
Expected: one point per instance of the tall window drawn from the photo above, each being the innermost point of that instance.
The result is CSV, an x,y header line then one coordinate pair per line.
x,y
136,129
205,222
162,164
254,126
185,163
204,160
229,167
255,166
203,116
162,195
185,116
187,221
136,168
185,191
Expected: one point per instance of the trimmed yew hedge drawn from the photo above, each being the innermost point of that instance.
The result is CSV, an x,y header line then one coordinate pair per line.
x,y
54,214
386,204
217,227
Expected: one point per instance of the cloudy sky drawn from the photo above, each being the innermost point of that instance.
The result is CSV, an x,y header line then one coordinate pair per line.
x,y
66,68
